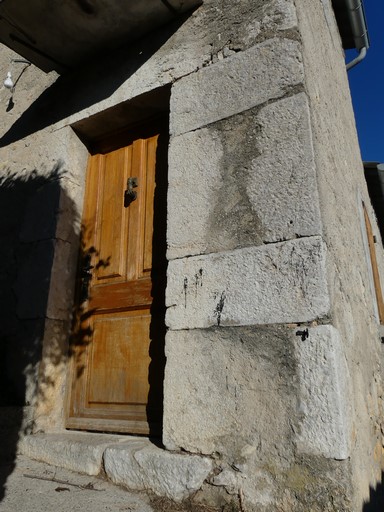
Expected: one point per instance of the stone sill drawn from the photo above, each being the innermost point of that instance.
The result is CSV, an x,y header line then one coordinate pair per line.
x,y
133,462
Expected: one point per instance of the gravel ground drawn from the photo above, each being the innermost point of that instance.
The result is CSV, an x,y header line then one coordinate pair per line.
x,y
31,486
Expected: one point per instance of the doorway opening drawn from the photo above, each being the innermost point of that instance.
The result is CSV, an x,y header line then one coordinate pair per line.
x,y
117,343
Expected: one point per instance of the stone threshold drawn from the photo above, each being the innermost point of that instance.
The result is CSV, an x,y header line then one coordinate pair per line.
x,y
134,462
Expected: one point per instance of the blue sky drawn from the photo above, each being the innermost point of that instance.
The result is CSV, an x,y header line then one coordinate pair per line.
x,y
367,86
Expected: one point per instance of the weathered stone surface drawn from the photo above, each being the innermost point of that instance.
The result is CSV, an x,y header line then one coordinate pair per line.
x,y
33,278
52,373
277,283
71,203
324,404
75,451
140,465
62,281
342,187
238,83
243,181
231,391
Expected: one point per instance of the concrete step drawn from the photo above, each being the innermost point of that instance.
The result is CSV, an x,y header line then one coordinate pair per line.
x,y
133,462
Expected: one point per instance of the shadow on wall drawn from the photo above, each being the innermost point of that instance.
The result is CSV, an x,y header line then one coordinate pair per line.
x,y
29,205
75,91
376,498
30,241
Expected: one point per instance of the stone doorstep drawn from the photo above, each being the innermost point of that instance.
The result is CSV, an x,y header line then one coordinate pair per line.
x,y
133,462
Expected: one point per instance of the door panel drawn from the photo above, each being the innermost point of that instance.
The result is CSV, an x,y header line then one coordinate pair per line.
x,y
109,381
118,337
111,218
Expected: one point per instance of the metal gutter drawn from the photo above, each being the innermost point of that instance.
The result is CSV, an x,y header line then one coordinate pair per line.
x,y
358,25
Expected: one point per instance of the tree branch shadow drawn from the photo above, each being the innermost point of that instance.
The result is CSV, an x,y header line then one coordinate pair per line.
x,y
376,498
30,205
40,329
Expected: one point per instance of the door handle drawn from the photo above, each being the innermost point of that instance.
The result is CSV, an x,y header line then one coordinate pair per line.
x,y
130,195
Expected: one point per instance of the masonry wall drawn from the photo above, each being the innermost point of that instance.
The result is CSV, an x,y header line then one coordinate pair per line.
x,y
264,242
40,201
342,190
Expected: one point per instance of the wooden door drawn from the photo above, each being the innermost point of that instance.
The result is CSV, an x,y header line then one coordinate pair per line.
x,y
118,343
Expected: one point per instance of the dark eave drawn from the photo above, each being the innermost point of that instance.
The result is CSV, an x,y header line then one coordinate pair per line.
x,y
350,17
59,35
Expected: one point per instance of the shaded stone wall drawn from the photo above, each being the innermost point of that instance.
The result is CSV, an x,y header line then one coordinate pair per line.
x,y
41,194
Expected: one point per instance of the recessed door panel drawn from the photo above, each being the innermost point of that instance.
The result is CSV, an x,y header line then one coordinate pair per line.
x,y
119,356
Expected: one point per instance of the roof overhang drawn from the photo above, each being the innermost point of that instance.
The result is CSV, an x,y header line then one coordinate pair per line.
x,y
59,35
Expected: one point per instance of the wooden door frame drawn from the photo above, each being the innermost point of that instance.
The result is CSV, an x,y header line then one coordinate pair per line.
x,y
104,145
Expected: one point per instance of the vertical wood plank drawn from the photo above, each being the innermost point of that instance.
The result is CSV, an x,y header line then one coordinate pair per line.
x,y
135,226
375,270
112,217
149,202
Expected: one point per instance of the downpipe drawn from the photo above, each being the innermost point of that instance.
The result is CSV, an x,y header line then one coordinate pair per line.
x,y
358,23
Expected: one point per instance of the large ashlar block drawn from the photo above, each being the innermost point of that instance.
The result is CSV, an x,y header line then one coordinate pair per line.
x,y
277,283
324,401
140,465
243,181
231,391
240,82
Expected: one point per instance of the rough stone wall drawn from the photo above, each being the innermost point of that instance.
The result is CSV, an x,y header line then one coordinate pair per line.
x,y
41,194
342,188
281,163
258,225
238,291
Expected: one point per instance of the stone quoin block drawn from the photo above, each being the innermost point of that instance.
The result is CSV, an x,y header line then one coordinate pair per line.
x,y
243,181
277,283
240,82
324,402
232,391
